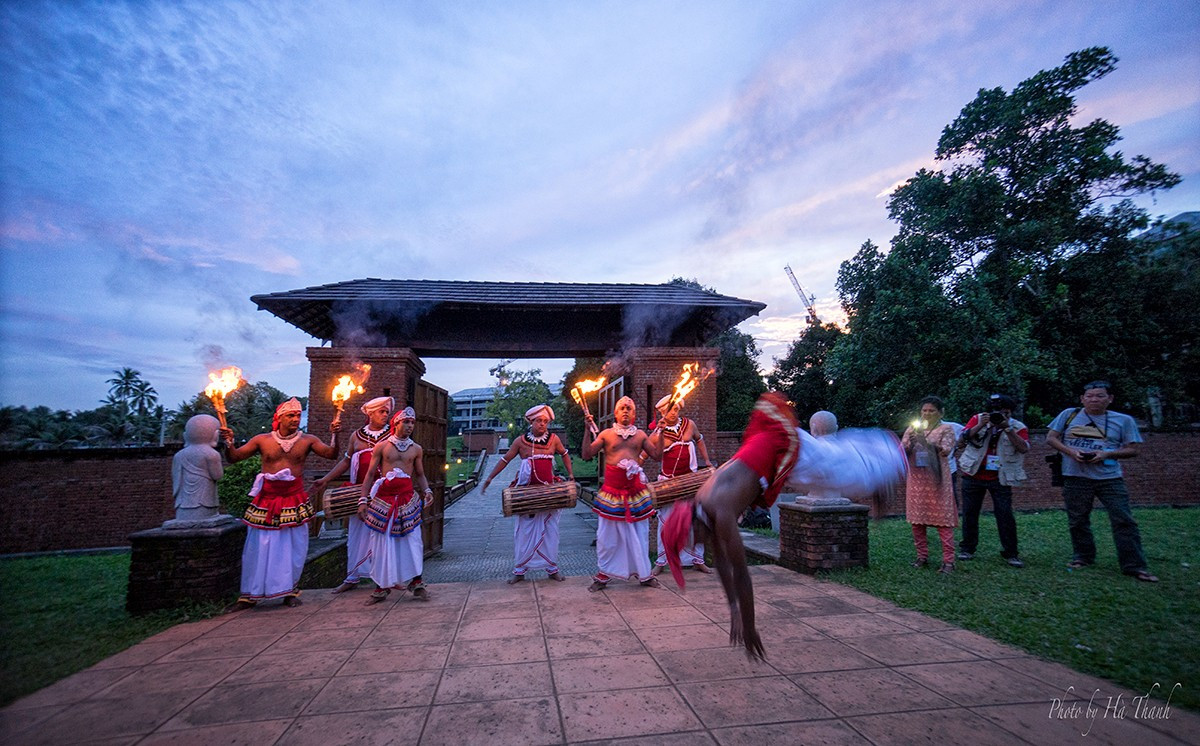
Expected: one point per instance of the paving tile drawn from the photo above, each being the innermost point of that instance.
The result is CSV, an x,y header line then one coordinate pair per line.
x,y
868,690
1037,723
566,623
625,712
1060,677
788,631
503,650
390,660
855,625
74,688
669,616
139,655
913,647
494,592
320,639
916,620
403,634
488,629
237,734
981,683
686,738
476,683
317,664
812,656
785,592
935,727
162,677
607,672
258,624
979,645
111,718
864,601
589,644
746,701
810,733
497,723
368,617
239,702
15,721
524,609
207,648
685,637
626,599
350,693
425,615
711,664
394,726
815,605
190,630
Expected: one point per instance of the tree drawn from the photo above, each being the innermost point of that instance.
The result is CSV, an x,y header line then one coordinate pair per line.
x,y
249,410
971,296
802,373
524,390
570,415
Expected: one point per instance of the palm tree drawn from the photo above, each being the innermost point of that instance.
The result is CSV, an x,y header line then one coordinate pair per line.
x,y
124,384
143,397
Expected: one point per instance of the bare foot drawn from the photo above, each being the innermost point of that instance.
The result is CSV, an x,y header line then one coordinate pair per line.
x,y
515,579
292,601
701,567
656,571
377,596
652,583
597,586
557,576
347,586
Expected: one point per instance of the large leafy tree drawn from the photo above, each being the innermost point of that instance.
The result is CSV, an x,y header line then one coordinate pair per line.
x,y
972,295
249,410
525,389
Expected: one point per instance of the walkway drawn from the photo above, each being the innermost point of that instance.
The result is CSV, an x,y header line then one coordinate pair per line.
x,y
477,542
550,663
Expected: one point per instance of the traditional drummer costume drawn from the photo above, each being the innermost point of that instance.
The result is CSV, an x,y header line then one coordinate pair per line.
x,y
394,547
678,458
276,536
535,536
623,505
357,562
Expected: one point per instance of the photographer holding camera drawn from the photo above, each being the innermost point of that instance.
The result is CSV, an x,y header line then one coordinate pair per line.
x,y
1092,439
992,462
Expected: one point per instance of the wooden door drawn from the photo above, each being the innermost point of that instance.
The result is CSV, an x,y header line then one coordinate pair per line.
x,y
432,406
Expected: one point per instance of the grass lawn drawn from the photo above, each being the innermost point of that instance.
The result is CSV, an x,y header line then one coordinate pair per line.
x,y
62,614
1094,620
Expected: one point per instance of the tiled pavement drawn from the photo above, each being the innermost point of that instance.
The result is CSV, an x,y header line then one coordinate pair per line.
x,y
545,662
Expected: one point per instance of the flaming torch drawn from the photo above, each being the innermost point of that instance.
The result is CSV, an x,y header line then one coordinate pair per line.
x,y
347,386
689,379
222,383
578,393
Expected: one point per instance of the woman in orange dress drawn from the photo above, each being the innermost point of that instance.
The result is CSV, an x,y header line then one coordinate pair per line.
x,y
930,494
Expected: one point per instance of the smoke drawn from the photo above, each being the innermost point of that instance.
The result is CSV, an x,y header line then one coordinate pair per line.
x,y
651,326
211,356
373,323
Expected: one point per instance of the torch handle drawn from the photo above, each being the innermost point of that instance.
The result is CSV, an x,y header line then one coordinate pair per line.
x,y
337,418
219,405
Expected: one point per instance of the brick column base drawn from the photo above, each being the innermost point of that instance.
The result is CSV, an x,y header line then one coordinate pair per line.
x,y
822,534
172,567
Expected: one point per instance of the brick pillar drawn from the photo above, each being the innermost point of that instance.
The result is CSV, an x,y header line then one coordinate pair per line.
x,y
822,534
173,567
395,370
653,373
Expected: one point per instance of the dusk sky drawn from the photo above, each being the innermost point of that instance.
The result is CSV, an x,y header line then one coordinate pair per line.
x,y
161,162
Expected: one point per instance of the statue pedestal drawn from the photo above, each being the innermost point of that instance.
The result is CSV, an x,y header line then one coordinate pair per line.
x,y
822,533
173,567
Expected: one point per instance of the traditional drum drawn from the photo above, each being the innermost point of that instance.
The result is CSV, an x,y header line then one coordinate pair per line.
x,y
682,487
535,498
341,502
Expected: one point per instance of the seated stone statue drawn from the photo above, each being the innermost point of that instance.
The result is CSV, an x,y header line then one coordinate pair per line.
x,y
195,471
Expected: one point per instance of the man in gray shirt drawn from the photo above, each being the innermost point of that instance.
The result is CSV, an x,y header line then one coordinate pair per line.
x,y
1092,439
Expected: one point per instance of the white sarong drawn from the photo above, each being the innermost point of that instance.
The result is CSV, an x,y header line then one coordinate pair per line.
x,y
535,535
394,560
623,549
358,563
688,556
272,561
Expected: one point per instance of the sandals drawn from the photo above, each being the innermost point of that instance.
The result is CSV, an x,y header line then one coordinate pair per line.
x,y
1077,564
1145,576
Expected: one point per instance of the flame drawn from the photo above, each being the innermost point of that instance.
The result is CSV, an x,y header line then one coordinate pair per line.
x,y
689,379
223,382
349,384
586,387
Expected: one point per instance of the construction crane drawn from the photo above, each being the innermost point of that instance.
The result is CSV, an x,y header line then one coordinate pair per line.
x,y
807,300
499,372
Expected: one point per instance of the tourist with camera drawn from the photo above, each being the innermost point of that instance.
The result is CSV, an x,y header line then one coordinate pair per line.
x,y
992,463
1092,440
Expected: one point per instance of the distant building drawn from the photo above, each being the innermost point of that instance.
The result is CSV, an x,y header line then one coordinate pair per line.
x,y
469,406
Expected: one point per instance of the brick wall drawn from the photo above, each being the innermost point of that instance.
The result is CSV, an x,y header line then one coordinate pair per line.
x,y
81,499
653,373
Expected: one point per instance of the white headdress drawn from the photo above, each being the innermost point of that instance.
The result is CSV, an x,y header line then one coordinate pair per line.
x,y
379,402
534,411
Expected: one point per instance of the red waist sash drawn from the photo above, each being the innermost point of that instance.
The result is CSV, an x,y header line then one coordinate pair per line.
x,y
770,445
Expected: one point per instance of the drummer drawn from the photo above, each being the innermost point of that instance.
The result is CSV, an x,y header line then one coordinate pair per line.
x,y
356,460
623,504
535,537
391,511
681,441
